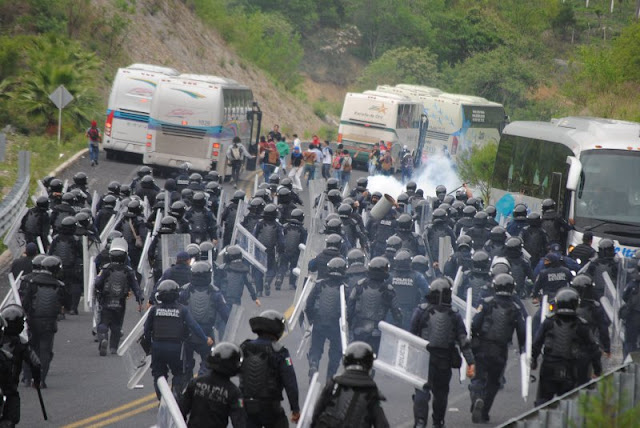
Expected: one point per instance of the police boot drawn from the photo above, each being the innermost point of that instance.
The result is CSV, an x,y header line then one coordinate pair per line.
x,y
439,424
478,410
420,423
102,345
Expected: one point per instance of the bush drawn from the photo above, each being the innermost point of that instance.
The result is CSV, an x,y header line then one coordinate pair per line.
x,y
475,167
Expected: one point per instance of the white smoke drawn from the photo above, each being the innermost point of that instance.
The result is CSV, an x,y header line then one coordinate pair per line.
x,y
437,170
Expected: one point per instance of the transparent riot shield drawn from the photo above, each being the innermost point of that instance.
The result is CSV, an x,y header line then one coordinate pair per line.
x,y
169,414
40,189
525,358
240,214
237,318
301,303
469,313
167,203
157,223
544,308
85,272
13,297
256,183
40,245
309,407
252,249
94,204
444,250
136,361
146,207
611,303
91,294
402,355
13,239
345,191
111,224
457,281
305,342
344,327
172,244
221,204
144,268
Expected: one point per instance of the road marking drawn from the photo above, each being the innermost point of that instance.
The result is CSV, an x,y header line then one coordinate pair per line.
x,y
127,415
119,409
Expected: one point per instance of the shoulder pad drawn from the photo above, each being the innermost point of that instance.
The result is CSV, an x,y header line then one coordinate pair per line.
x,y
423,306
390,287
107,266
454,310
488,300
362,282
277,346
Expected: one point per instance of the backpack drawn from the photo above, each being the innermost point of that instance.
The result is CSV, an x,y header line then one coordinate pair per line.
x,y
348,165
337,162
94,135
235,153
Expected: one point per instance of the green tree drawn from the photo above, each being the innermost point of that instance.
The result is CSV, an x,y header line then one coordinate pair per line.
x,y
626,52
402,65
373,18
564,21
475,167
608,408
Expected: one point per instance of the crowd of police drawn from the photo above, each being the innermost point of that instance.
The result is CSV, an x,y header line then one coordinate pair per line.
x,y
386,261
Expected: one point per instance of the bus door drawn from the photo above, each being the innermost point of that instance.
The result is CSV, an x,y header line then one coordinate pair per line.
x,y
254,116
424,125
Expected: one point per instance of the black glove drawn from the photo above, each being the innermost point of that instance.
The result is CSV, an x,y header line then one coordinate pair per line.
x,y
146,345
534,363
35,374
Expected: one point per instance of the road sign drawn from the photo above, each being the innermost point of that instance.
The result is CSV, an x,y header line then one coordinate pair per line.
x,y
60,97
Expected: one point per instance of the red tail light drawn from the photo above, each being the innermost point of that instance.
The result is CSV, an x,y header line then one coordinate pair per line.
x,y
108,124
215,153
339,138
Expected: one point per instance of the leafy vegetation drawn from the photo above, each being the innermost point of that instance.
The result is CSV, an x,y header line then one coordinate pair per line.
x,y
475,167
606,408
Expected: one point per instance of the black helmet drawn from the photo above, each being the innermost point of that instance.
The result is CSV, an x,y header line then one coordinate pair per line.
x,y
520,212
464,241
333,225
513,247
83,219
160,199
459,206
195,178
205,247
14,317
199,200
402,260
480,261
233,252
334,196
287,182
125,190
606,248
113,235
411,187
378,268
256,206
213,187
193,250
503,284
548,205
274,179
362,183
69,198
201,269
567,301
56,185
168,224
449,199
402,198
178,208
170,185
264,186
376,195
358,356
480,219
186,194
270,212
109,201
332,183
238,196
420,263
36,262
454,214
500,265
583,284
47,181
469,211
225,358
337,267
356,256
212,176
441,192
394,242
461,195
268,322
284,195
439,292
52,264
345,211
297,216
491,211
333,241
80,178
439,216
42,202
147,182
404,222
134,207
498,234
168,291
143,171
534,220
68,225
118,250
263,194
114,187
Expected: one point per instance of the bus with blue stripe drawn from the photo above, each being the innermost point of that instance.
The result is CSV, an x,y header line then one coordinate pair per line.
x,y
125,129
193,119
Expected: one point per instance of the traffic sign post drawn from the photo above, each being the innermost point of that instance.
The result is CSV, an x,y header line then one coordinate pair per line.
x,y
60,97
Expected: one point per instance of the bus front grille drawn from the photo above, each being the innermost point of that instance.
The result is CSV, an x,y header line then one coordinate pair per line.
x,y
133,115
183,131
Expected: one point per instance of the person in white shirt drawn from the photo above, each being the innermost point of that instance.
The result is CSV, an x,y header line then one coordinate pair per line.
x,y
327,157
319,157
296,142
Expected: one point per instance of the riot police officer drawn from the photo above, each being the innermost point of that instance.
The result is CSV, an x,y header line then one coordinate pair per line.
x,y
62,210
205,302
294,234
37,222
520,266
441,192
182,180
140,174
604,262
437,322
68,249
178,210
266,370
564,336
352,399
439,228
479,232
351,227
584,251
553,277
112,286
270,234
379,231
410,286
370,301
234,277
285,204
195,183
466,222
148,189
202,224
630,313
492,329
43,302
534,238
212,189
460,258
167,227
323,312
411,241
356,268
333,243
552,222
134,230
478,279
228,218
80,182
256,206
180,272
495,246
212,399
105,212
519,220
164,334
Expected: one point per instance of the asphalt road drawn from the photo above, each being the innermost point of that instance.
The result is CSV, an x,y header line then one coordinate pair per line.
x,y
88,390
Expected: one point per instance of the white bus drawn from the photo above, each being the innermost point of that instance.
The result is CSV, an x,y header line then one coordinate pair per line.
x,y
125,129
589,166
194,119
370,117
455,122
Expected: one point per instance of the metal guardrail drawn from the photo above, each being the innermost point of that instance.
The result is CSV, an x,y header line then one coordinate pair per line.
x,y
16,200
567,411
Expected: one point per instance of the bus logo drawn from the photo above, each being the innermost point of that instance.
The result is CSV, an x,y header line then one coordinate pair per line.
x,y
379,109
180,112
149,82
144,92
189,93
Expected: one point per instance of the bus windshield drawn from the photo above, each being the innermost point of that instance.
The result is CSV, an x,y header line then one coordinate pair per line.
x,y
608,197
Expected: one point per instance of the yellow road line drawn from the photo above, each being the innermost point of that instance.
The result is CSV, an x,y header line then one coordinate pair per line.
x,y
119,409
127,415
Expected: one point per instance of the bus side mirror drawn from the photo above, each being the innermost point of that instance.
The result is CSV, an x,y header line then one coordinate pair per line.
x,y
575,169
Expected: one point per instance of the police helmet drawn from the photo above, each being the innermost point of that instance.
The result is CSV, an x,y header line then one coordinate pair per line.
x,y
411,187
213,187
47,181
80,179
225,358
52,264
42,202
118,250
168,291
439,216
83,219
480,219
193,250
345,211
79,197
143,171
441,192
185,167
378,268
548,205
15,317
377,196
469,211
439,292
199,200
233,252
358,356
503,284
454,214
168,224
534,220
68,226
201,269
333,241
238,196
394,242
404,222
402,199
461,195
491,211
287,182
160,199
264,186
520,212
125,190
186,194
362,183
270,212
297,216
284,195
480,261
567,301
134,208
332,183
606,248
337,267
583,284
420,263
498,234
268,322
113,235
449,199
36,262
147,182
195,178
178,208
69,198
464,242
274,179
56,185
500,265
513,247
356,256
109,201
212,176
402,260
114,187
170,185
205,247
459,206
333,225
334,196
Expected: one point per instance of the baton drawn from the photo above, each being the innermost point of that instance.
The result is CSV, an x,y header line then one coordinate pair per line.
x,y
44,411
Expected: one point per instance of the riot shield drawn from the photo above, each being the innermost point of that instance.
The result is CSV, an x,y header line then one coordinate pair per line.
x,y
237,318
240,214
111,224
303,348
40,189
40,245
136,361
13,297
91,294
146,207
457,281
94,204
544,308
252,249
167,203
461,306
85,272
309,407
611,294
157,223
13,239
256,183
402,355
169,414
221,201
144,268
345,191
444,250
65,186
344,328
172,244
468,316
525,358
301,303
